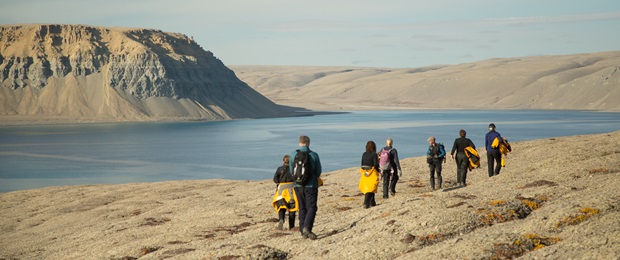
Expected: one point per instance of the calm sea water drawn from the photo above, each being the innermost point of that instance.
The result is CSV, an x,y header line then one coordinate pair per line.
x,y
53,155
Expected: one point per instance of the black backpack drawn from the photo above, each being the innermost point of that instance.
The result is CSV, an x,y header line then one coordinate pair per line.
x,y
301,168
436,152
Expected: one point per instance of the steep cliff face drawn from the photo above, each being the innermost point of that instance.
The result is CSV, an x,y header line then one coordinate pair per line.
x,y
96,73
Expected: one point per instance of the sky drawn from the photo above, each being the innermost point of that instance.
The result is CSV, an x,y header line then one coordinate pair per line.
x,y
361,33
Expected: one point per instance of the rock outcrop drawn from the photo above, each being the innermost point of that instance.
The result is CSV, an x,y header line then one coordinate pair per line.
x,y
79,72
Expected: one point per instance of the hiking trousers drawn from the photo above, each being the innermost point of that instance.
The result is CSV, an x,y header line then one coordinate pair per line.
x,y
494,159
291,217
435,167
307,199
389,183
461,168
369,200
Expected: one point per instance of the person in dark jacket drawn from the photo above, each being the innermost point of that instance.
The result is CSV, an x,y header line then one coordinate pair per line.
x,y
281,177
435,156
390,174
370,174
494,157
462,161
307,195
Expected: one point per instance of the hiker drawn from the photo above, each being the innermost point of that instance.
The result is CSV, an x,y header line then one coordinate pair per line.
x,y
285,199
462,162
493,155
435,156
307,190
389,166
369,170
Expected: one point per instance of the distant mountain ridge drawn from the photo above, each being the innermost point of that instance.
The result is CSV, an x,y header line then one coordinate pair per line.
x,y
589,81
79,72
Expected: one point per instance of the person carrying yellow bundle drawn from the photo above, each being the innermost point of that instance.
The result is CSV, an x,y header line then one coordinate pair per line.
x,y
493,155
503,147
369,171
462,161
285,198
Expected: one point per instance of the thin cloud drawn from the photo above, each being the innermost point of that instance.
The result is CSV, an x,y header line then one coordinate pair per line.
x,y
359,62
436,38
489,32
554,19
426,48
319,25
382,45
484,47
327,25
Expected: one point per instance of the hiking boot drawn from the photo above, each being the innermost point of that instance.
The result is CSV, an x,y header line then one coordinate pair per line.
x,y
393,193
291,224
280,225
308,234
311,236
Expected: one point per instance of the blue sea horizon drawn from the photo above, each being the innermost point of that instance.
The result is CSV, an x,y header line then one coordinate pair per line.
x,y
36,156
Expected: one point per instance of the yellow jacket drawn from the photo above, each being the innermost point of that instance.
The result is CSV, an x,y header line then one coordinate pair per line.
x,y
474,158
369,180
504,148
285,198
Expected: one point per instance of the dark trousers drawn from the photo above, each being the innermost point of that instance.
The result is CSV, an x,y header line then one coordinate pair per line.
x,y
435,167
389,183
369,200
307,199
494,158
291,217
461,168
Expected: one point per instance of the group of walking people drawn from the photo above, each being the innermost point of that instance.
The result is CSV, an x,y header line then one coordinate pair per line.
x,y
466,157
294,196
375,166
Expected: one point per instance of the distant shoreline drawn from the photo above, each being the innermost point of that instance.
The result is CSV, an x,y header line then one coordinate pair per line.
x,y
21,120
36,120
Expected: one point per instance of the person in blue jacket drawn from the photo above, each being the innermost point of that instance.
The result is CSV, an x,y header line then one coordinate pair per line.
x,y
435,156
307,195
494,158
